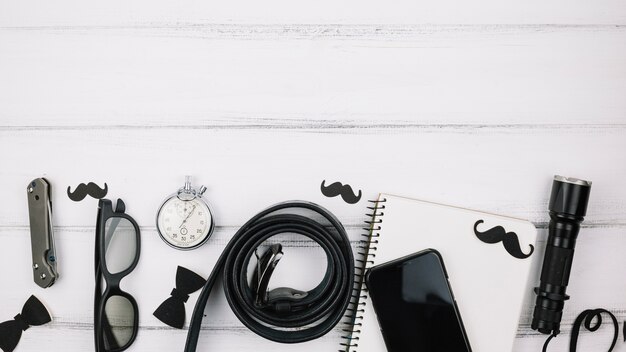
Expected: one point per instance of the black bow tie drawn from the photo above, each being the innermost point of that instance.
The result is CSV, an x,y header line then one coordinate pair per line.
x,y
33,313
172,311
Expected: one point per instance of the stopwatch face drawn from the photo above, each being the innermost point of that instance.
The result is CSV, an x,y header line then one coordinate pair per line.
x,y
184,224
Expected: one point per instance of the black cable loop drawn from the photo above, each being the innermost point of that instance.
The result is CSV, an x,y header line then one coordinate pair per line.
x,y
586,319
545,344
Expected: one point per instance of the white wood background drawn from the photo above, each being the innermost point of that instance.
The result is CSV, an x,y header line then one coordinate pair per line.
x,y
472,103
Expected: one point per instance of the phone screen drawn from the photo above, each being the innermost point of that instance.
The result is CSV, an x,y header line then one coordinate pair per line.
x,y
415,307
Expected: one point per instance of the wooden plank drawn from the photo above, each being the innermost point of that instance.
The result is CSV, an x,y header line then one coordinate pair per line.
x,y
593,285
153,279
65,12
81,339
442,155
474,104
588,341
506,171
232,76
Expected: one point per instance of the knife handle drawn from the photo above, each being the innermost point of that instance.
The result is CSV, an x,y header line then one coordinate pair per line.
x,y
41,236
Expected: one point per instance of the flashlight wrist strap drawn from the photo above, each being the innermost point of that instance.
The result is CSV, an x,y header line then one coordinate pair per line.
x,y
586,319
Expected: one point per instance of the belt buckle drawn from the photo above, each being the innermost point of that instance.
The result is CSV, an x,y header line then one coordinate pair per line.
x,y
279,298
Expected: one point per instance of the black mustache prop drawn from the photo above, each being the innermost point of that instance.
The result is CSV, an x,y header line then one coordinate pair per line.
x,y
337,188
83,190
509,240
33,313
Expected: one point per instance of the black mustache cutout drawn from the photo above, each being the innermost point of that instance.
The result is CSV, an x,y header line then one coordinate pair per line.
x,y
337,188
83,190
509,240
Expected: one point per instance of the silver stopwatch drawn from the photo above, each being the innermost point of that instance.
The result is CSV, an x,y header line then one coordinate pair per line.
x,y
184,220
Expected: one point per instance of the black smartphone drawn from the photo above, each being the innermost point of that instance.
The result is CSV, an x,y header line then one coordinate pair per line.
x,y
414,304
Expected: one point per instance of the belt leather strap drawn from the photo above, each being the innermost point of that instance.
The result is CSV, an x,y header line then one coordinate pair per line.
x,y
316,312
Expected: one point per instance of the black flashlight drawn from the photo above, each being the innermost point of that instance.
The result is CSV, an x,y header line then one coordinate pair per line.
x,y
568,207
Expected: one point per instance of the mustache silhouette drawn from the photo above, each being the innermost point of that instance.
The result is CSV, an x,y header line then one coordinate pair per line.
x,y
91,189
509,240
345,191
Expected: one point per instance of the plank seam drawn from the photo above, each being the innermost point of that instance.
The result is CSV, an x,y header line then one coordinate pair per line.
x,y
327,125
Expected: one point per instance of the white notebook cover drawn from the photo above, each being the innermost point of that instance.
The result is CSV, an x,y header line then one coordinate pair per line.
x,y
489,284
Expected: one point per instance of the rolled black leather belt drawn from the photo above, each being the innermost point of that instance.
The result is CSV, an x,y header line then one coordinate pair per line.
x,y
283,315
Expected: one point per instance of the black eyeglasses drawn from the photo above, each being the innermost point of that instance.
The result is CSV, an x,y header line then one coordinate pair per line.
x,y
116,315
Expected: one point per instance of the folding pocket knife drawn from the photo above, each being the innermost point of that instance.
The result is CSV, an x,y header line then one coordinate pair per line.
x,y
41,236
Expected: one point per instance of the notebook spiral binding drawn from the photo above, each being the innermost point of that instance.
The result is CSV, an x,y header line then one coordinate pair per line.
x,y
366,250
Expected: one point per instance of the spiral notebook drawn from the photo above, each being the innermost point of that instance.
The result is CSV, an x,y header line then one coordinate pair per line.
x,y
489,279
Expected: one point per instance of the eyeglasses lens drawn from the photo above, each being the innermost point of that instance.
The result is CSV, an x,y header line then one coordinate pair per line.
x,y
120,244
118,322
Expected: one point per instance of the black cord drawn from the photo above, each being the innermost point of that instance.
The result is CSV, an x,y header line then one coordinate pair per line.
x,y
587,316
545,345
302,320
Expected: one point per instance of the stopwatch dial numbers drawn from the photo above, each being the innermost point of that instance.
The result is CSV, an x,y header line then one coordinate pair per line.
x,y
184,223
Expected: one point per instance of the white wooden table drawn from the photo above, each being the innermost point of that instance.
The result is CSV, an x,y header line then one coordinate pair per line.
x,y
476,104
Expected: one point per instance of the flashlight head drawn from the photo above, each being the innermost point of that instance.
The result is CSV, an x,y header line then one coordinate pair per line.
x,y
569,197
